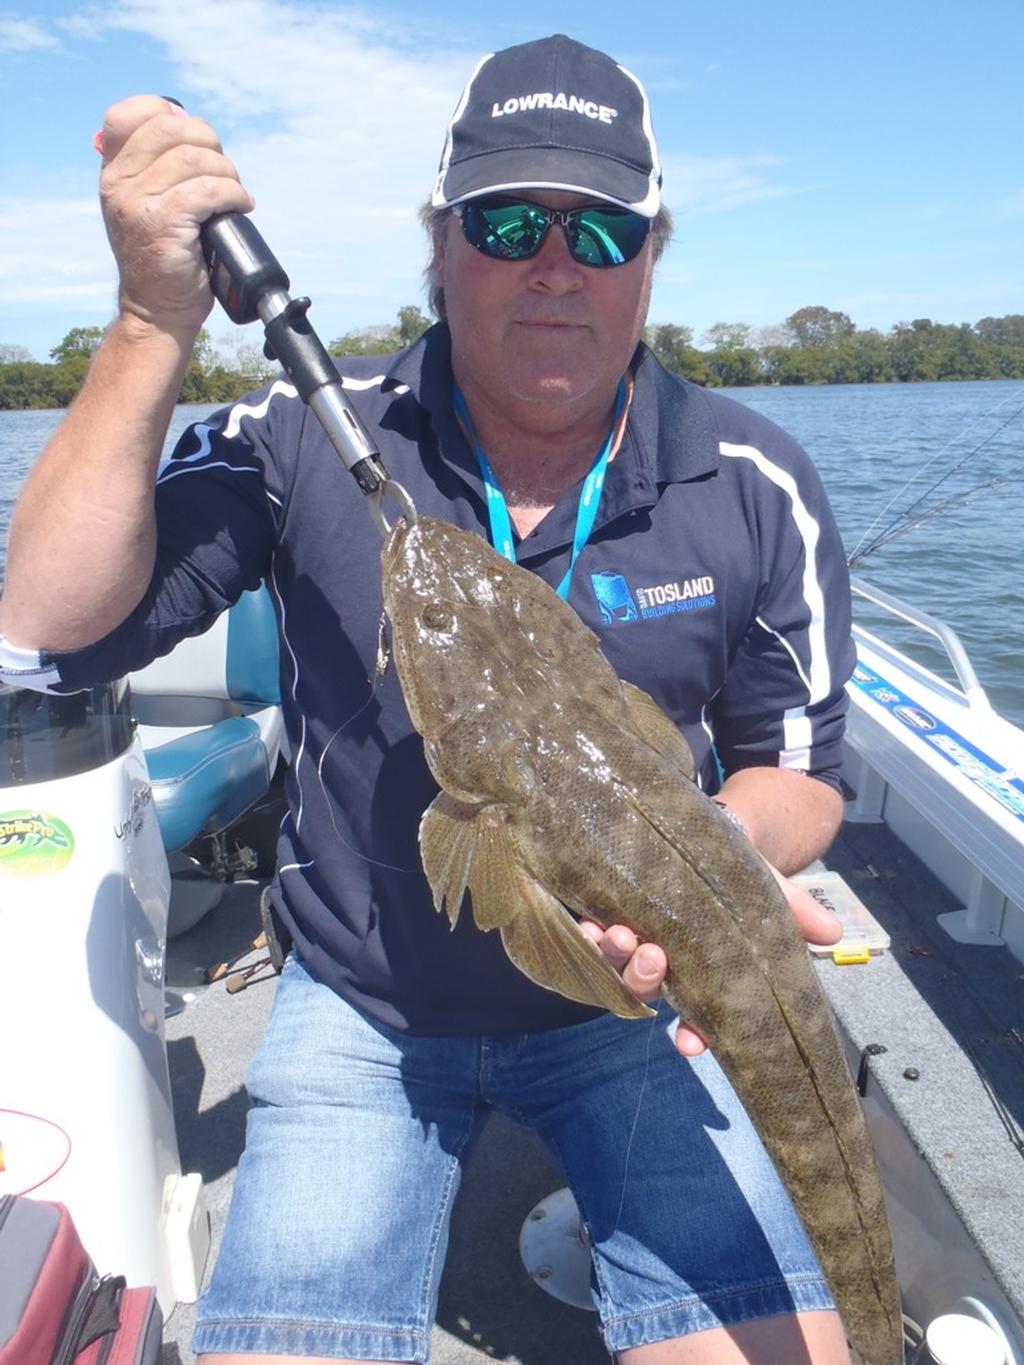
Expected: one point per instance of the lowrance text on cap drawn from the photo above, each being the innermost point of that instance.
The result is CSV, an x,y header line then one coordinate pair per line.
x,y
551,114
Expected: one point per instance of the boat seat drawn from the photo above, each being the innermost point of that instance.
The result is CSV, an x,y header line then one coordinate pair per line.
x,y
209,718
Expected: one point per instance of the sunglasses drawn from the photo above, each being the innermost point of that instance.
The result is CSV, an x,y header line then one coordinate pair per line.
x,y
514,230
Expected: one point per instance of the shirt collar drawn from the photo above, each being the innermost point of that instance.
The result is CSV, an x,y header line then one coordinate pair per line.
x,y
672,422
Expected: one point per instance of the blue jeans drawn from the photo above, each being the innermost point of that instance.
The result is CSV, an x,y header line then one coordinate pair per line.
x,y
338,1226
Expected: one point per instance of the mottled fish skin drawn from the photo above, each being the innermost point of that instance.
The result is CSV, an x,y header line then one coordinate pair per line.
x,y
562,786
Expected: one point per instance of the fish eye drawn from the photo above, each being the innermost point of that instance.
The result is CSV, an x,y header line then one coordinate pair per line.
x,y
436,616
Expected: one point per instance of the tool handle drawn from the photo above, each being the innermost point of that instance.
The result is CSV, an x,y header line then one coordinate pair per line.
x,y
242,267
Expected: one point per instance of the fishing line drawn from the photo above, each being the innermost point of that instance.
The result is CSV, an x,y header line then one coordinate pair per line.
x,y
636,1120
375,681
881,538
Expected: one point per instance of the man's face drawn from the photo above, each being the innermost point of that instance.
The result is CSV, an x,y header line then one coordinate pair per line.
x,y
547,331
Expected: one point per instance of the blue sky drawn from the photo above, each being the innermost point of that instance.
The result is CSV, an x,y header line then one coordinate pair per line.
x,y
867,158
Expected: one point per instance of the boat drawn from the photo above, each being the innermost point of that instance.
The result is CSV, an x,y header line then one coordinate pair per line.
x,y
136,837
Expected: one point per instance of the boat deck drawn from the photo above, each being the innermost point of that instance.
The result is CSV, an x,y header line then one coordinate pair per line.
x,y
954,1015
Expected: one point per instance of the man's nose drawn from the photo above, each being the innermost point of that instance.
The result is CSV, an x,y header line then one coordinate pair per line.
x,y
554,267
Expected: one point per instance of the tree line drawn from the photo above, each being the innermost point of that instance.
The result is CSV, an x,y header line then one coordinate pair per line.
x,y
815,345
213,376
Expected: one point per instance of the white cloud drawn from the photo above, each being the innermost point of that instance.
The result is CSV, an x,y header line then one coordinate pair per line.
x,y
23,215
695,185
335,120
25,35
54,268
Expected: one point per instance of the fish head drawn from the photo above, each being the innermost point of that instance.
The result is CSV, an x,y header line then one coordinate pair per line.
x,y
472,633
451,607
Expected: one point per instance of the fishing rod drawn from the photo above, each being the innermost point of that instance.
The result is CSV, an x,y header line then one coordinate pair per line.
x,y
901,523
930,461
955,500
250,284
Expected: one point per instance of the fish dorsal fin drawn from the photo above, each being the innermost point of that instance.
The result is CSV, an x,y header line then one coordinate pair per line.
x,y
654,728
465,846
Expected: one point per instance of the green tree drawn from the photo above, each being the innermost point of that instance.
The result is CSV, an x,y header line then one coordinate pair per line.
x,y
817,326
732,362
72,357
735,367
26,384
378,340
914,351
79,342
862,358
673,346
1007,331
195,387
727,336
794,365
412,323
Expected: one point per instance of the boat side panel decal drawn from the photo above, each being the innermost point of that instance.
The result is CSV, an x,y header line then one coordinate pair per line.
x,y
1001,783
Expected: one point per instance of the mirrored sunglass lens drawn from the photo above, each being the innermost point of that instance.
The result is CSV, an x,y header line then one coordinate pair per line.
x,y
607,238
509,231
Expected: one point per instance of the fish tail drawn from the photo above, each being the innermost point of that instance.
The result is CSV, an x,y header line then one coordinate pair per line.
x,y
796,1089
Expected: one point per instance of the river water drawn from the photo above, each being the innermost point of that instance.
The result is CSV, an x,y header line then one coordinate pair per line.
x,y
867,440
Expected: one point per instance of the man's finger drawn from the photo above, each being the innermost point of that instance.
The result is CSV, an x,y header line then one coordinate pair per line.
x,y
689,1043
644,973
816,924
642,965
122,119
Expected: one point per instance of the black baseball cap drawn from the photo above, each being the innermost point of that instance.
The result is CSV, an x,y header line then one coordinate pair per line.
x,y
551,115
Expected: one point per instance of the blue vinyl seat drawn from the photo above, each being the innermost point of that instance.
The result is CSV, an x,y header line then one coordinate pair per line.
x,y
209,717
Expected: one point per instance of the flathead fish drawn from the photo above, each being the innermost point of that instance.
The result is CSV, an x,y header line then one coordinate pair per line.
x,y
565,789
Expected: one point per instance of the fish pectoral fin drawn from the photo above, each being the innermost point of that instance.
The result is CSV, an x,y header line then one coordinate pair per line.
x,y
654,728
448,832
472,846
493,878
546,944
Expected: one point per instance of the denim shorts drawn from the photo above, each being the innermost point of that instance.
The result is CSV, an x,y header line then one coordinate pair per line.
x,y
336,1235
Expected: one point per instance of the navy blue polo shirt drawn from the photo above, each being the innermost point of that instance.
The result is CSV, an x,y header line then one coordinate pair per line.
x,y
714,577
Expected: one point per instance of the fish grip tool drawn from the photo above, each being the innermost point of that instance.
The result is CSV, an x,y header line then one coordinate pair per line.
x,y
251,285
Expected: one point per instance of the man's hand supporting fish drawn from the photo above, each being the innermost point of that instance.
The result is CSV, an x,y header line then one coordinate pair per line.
x,y
643,966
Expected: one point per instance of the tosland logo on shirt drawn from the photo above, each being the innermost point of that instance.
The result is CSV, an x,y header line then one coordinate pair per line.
x,y
545,99
620,602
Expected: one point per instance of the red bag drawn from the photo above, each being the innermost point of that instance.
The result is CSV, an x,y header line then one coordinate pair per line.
x,y
54,1308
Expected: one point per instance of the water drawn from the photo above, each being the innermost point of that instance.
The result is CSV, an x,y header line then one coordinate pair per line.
x,y
962,566
867,440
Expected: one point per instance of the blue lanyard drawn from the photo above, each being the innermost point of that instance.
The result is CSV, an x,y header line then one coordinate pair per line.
x,y
590,494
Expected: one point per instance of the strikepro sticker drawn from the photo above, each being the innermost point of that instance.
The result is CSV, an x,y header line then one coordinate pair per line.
x,y
33,844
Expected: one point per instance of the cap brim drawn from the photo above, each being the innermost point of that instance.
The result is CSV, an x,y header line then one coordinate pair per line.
x,y
543,168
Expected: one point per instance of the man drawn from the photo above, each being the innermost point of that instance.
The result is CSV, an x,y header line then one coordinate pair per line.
x,y
714,575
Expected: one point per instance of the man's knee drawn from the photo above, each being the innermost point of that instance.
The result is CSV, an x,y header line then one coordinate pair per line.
x,y
814,1338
